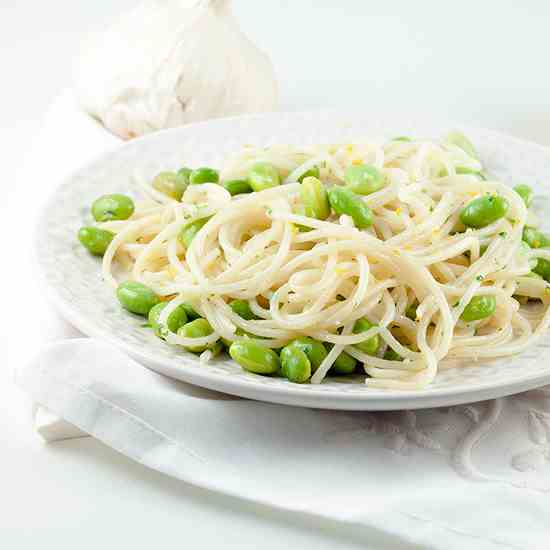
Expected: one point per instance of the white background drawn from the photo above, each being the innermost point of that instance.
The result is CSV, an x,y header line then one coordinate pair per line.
x,y
483,63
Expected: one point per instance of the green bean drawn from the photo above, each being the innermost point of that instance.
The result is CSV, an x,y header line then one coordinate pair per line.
x,y
401,138
237,187
254,358
479,307
363,179
136,297
263,175
189,231
112,207
345,201
204,175
95,240
313,172
314,198
315,350
199,328
525,192
460,140
175,321
369,346
543,269
483,211
344,364
242,309
295,364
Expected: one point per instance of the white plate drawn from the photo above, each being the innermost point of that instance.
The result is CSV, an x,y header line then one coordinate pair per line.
x,y
73,276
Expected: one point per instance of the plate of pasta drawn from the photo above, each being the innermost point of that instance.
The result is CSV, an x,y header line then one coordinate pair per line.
x,y
314,259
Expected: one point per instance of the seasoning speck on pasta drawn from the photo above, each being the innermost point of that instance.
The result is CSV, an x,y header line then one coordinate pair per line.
x,y
380,258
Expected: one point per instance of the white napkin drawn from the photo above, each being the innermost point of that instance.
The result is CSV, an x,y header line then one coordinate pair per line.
x,y
474,476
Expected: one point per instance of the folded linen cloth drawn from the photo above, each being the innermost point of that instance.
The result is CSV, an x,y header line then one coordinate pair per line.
x,y
475,476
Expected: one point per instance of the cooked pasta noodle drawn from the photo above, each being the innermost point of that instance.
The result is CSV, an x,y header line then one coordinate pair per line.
x,y
304,276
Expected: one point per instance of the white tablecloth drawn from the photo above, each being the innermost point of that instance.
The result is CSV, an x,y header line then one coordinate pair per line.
x,y
475,476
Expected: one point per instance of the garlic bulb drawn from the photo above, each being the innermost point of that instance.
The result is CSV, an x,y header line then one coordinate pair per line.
x,y
171,62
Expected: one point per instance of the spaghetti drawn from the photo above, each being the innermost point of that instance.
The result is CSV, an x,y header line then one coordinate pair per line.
x,y
412,274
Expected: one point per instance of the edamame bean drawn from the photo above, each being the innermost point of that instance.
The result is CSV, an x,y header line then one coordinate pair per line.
x,y
313,172
295,364
465,170
535,238
153,317
204,175
525,192
460,140
369,346
184,174
363,179
243,336
190,312
410,312
315,350
254,358
199,328
483,211
242,309
526,249
392,355
95,240
171,184
479,307
175,321
344,364
217,348
112,207
532,237
314,198
237,187
345,201
189,231
136,297
543,269
263,175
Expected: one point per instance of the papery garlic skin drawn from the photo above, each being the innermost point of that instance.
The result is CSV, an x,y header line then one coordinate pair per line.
x,y
172,62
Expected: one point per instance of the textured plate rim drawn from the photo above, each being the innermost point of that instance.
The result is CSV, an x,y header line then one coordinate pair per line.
x,y
382,400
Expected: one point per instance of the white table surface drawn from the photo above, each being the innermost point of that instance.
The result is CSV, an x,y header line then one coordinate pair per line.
x,y
485,63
